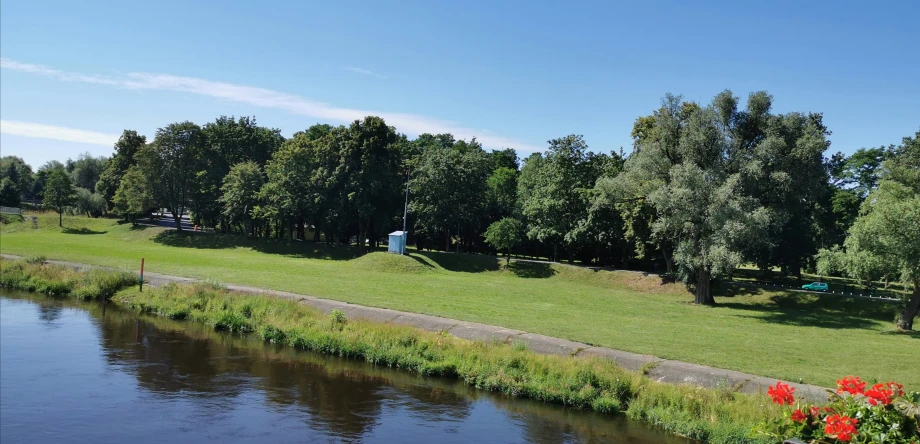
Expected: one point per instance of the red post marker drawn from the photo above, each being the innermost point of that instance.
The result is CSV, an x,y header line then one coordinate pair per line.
x,y
142,275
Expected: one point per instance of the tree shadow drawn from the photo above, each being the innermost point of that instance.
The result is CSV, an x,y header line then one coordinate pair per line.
x,y
532,270
910,334
83,230
808,310
282,247
460,262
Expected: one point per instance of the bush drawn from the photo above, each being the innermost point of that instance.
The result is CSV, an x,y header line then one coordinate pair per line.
x,y
883,413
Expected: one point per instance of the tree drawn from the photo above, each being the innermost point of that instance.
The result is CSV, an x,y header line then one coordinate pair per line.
x,y
226,142
691,175
19,173
41,177
370,172
58,192
89,203
287,196
448,190
171,164
554,190
504,235
133,198
86,170
240,193
126,148
888,228
9,193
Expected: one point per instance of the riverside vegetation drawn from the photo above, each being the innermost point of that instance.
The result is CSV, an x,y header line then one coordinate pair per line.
x,y
812,338
719,416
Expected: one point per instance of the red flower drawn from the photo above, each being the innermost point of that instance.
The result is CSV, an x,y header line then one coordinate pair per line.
x,y
814,411
798,416
880,394
841,427
781,394
852,385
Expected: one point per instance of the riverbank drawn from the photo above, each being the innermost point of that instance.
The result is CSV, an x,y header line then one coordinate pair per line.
x,y
714,415
775,334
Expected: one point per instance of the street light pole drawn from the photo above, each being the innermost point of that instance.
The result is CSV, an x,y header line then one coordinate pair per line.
x,y
406,214
406,208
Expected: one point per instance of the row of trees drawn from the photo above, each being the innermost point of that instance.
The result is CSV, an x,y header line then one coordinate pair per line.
x,y
706,188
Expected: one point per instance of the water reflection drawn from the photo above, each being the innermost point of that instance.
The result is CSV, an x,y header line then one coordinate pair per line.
x,y
189,384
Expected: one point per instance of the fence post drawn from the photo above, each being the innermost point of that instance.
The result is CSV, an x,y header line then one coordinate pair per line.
x,y
141,289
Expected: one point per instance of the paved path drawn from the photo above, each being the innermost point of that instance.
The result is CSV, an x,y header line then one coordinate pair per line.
x,y
663,370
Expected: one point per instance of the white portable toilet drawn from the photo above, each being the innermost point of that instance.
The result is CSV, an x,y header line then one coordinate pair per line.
x,y
397,244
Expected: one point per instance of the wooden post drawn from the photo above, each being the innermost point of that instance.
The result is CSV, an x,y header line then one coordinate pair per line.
x,y
141,289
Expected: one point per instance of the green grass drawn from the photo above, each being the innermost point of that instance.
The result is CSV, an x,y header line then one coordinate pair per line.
x,y
798,337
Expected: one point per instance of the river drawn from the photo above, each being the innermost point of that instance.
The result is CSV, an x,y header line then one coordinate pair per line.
x,y
82,372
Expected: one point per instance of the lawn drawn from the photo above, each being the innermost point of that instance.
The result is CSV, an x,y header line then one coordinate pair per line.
x,y
798,337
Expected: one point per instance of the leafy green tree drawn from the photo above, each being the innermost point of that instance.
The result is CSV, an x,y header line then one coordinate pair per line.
x,y
690,174
19,173
9,193
501,192
449,190
227,142
860,171
89,203
240,193
86,170
287,195
504,235
370,171
126,148
171,165
555,190
58,192
887,232
41,177
133,198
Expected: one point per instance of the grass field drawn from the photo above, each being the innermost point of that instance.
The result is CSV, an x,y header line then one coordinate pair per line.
x,y
798,337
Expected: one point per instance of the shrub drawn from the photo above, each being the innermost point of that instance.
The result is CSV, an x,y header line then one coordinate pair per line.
x,y
882,413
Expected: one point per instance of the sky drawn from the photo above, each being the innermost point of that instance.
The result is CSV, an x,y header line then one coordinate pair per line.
x,y
510,73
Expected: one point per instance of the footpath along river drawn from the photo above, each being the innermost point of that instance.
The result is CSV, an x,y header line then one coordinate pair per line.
x,y
82,372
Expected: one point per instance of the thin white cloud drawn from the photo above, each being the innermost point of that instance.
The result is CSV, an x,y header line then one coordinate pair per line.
x,y
366,72
41,131
412,124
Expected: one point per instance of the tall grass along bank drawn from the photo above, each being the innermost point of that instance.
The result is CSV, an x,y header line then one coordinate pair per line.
x,y
720,416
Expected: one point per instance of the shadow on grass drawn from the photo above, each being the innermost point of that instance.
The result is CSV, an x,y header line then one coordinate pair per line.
x,y
807,310
83,230
910,334
283,247
460,262
531,270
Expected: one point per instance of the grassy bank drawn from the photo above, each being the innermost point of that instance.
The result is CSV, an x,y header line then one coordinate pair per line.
x,y
591,383
791,336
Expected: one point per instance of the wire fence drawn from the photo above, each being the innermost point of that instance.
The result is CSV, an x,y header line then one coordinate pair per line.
x,y
11,210
849,294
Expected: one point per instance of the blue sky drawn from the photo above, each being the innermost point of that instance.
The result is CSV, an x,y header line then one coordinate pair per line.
x,y
512,73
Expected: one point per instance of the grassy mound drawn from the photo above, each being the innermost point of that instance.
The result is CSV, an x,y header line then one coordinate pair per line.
x,y
390,263
32,274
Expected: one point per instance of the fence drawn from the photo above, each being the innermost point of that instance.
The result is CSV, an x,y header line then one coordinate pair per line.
x,y
848,294
11,210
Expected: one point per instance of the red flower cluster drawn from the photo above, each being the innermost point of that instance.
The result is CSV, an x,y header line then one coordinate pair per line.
x,y
781,394
798,416
852,385
881,394
842,427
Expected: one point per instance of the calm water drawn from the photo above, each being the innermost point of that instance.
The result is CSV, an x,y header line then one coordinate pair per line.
x,y
80,373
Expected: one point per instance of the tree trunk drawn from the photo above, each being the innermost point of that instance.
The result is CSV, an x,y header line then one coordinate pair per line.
x,y
703,289
61,217
668,262
906,318
177,218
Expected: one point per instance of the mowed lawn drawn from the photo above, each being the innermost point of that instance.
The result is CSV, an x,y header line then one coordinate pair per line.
x,y
797,337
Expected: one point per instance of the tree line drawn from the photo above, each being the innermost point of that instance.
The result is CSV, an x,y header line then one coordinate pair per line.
x,y
706,188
